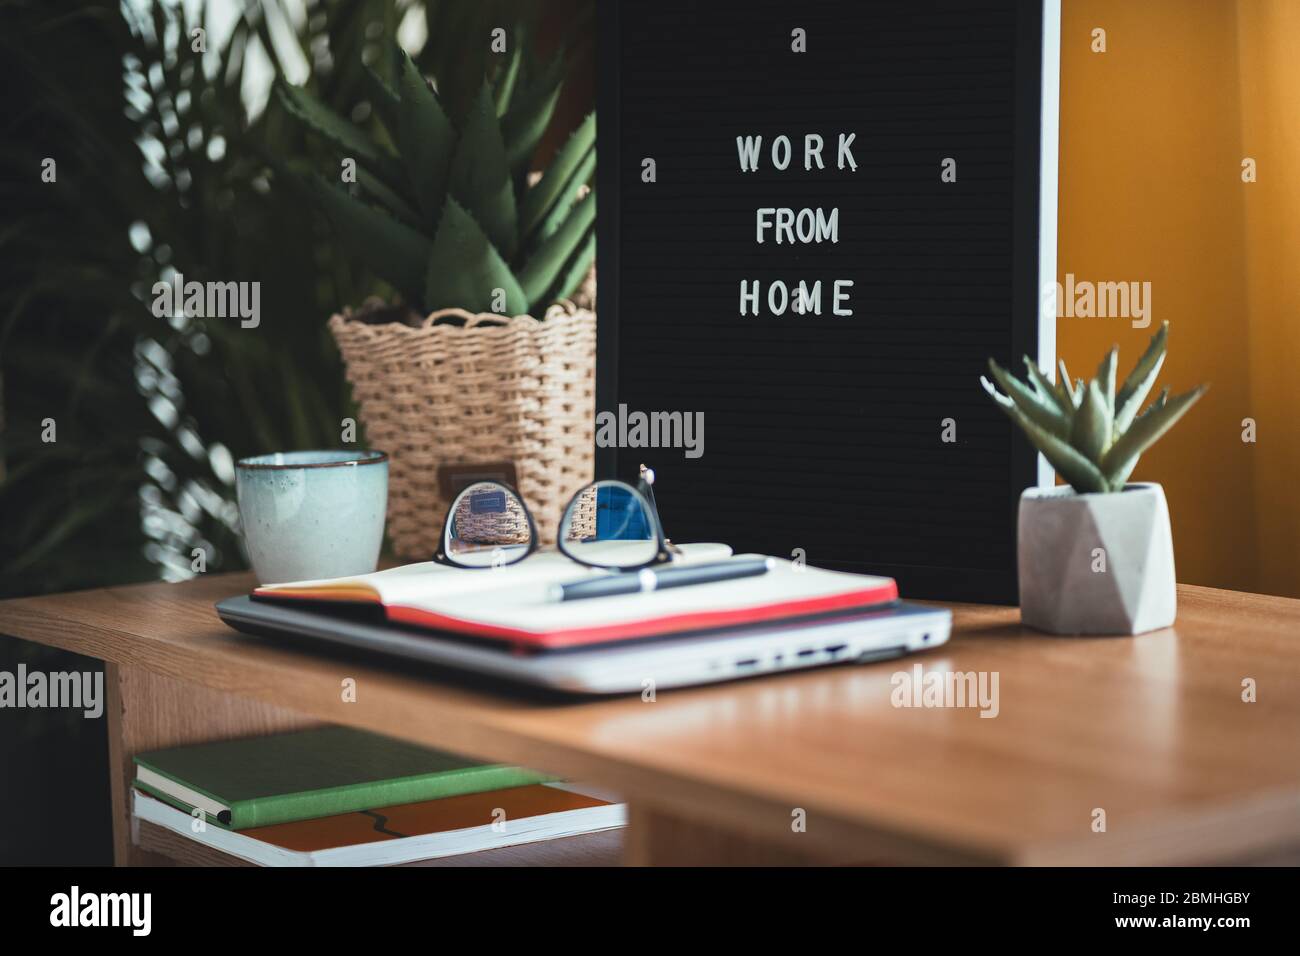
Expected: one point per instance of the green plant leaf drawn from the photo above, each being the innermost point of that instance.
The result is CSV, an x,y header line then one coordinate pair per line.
x,y
397,205
395,252
570,168
564,207
480,177
1066,389
464,269
1091,428
504,88
1082,474
296,171
426,137
458,48
350,140
1047,416
1151,358
1106,381
530,114
1119,476
575,271
383,99
1146,431
1134,394
546,264
1046,389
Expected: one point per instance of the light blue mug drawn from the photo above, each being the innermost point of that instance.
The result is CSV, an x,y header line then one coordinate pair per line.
x,y
309,515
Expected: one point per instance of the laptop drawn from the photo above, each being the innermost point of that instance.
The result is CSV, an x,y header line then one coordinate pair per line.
x,y
707,656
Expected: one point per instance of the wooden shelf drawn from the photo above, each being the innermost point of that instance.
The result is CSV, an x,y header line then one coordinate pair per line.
x,y
1151,729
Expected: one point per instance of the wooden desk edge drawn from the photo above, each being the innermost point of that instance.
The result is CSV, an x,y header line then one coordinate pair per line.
x,y
663,794
688,799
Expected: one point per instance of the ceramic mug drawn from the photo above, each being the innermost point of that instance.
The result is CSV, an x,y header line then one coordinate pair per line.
x,y
309,515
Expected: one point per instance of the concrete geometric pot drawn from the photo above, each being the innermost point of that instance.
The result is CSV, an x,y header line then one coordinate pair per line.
x,y
1096,563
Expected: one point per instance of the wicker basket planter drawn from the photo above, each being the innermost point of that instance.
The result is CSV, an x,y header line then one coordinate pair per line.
x,y
473,389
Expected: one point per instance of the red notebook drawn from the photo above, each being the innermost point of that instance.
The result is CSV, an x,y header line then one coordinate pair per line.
x,y
513,604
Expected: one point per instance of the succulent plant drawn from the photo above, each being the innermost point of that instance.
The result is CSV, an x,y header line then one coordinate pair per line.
x,y
1092,433
450,218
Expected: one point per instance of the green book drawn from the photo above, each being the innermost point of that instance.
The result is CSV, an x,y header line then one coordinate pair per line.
x,y
259,781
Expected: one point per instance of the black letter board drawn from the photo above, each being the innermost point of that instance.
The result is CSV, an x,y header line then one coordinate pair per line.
x,y
824,434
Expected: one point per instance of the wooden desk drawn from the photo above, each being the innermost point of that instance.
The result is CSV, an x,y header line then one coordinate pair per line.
x,y
1152,730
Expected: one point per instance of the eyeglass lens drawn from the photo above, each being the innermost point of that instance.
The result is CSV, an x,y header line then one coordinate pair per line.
x,y
488,527
610,525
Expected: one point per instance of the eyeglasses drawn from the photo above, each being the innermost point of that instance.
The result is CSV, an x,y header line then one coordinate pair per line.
x,y
607,524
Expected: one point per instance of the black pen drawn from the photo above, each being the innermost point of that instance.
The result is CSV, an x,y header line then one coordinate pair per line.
x,y
652,579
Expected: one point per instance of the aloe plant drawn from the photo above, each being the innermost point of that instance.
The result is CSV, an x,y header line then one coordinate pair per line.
x,y
449,218
1092,433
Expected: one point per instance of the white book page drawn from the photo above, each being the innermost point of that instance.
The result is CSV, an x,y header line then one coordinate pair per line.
x,y
388,852
427,583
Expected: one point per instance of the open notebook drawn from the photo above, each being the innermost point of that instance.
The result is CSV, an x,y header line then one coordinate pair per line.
x,y
512,604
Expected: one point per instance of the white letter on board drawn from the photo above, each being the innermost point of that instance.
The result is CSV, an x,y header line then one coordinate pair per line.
x,y
812,149
747,148
772,299
808,299
785,225
828,227
781,152
841,297
846,140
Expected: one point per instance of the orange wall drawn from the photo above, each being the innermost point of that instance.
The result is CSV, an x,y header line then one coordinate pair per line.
x,y
1153,133
1268,43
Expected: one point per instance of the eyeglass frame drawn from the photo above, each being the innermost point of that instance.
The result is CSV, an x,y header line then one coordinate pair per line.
x,y
664,549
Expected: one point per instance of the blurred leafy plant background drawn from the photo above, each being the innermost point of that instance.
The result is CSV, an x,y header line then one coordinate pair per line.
x,y
160,146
